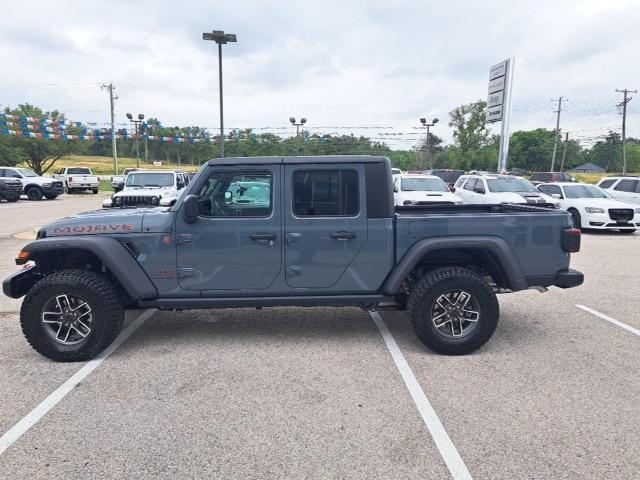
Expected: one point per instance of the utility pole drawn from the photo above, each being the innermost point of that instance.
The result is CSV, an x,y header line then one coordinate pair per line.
x,y
555,143
564,150
623,104
114,147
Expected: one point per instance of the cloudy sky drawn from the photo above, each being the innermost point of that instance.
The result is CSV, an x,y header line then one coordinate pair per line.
x,y
343,65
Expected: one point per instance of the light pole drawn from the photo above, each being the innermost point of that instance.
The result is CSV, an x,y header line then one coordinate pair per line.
x,y
135,123
424,123
297,125
220,38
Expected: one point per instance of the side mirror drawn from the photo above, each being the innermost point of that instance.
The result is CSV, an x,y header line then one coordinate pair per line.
x,y
453,189
191,206
556,195
395,188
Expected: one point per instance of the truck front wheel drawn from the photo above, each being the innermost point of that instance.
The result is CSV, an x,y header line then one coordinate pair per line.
x,y
71,315
453,310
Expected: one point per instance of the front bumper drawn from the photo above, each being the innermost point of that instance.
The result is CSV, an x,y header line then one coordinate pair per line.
x,y
19,283
602,221
52,190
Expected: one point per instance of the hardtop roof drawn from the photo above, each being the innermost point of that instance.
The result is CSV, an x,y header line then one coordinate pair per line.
x,y
328,159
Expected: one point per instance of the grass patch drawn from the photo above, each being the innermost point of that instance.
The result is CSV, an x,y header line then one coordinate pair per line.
x,y
104,165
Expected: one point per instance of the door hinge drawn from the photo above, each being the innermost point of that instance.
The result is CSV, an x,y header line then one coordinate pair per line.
x,y
186,272
294,271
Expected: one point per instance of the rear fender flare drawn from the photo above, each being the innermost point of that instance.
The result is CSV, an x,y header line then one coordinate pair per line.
x,y
496,246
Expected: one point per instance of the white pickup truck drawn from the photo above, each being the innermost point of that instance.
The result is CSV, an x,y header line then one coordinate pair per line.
x,y
78,178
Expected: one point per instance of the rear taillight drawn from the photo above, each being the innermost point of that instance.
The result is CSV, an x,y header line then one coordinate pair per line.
x,y
571,240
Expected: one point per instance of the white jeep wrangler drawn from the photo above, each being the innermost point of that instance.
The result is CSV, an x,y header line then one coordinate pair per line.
x,y
147,188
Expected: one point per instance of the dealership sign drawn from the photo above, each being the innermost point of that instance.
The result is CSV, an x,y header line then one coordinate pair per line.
x,y
497,91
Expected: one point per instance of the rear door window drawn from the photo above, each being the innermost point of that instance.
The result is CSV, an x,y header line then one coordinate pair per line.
x,y
325,193
627,185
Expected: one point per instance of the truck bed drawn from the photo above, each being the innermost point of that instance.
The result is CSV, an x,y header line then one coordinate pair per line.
x,y
531,235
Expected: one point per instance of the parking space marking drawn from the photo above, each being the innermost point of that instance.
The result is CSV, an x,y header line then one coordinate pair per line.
x,y
445,446
54,398
635,331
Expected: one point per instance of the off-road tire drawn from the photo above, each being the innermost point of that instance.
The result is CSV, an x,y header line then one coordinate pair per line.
x,y
627,230
95,191
51,197
13,199
434,284
101,295
34,193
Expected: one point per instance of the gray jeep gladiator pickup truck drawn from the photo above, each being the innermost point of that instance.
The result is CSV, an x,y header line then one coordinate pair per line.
x,y
274,231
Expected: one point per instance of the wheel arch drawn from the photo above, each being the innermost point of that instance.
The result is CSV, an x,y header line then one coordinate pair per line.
x,y
491,253
51,254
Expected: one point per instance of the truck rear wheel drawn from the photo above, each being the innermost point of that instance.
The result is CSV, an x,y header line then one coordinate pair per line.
x,y
71,315
453,310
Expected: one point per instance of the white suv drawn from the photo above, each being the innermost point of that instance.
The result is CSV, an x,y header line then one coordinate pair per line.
x,y
495,189
148,189
626,189
33,185
592,207
422,190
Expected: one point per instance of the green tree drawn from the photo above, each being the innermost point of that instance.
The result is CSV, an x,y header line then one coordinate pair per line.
x,y
470,126
607,153
41,154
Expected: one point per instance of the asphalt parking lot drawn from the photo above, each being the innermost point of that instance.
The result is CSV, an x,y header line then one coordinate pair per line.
x,y
325,393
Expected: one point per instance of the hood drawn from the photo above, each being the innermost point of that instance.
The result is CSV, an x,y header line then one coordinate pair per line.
x,y
428,196
109,222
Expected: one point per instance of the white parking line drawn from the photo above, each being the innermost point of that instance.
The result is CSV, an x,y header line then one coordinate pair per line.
x,y
52,400
445,446
635,331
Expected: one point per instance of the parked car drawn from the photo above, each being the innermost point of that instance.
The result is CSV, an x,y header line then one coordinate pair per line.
x,y
327,235
591,207
422,190
78,178
449,176
625,189
396,171
117,181
34,186
548,177
148,188
10,189
494,189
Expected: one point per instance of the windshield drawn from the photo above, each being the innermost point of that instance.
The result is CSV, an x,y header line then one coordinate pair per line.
x,y
449,176
510,185
79,171
26,172
424,185
150,180
584,191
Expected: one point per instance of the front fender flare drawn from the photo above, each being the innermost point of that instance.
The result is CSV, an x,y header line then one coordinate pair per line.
x,y
111,252
496,246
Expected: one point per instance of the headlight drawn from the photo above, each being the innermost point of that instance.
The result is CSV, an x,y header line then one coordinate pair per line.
x,y
46,184
407,202
155,200
594,210
116,200
3,185
637,210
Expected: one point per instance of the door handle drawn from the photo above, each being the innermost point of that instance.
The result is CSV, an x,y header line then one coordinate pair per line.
x,y
262,237
343,235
